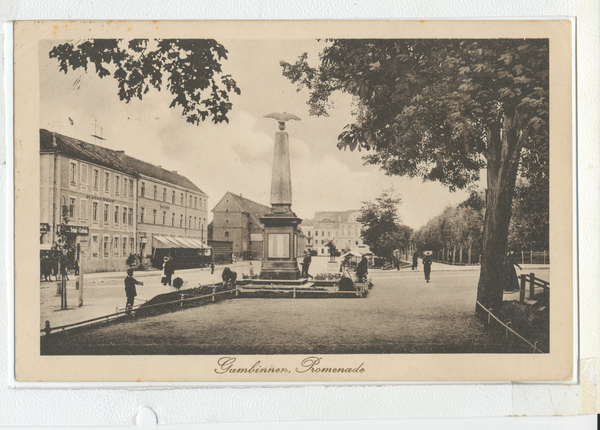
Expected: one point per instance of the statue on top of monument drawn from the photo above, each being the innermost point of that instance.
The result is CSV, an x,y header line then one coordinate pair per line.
x,y
281,118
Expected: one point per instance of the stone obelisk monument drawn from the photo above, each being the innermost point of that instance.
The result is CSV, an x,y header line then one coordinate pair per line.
x,y
280,237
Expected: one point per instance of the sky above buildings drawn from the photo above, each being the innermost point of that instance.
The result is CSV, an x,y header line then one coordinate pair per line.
x,y
236,157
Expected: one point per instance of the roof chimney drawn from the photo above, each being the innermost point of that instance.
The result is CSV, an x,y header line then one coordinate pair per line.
x,y
120,152
54,139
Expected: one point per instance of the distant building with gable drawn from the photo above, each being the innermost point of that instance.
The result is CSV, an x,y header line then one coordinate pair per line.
x,y
236,220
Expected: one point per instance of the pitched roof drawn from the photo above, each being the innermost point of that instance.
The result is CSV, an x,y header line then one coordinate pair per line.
x,y
108,158
147,169
255,210
84,151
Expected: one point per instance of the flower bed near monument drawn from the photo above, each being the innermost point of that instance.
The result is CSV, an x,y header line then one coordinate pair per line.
x,y
177,300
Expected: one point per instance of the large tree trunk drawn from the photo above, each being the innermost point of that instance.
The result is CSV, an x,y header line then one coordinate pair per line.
x,y
503,161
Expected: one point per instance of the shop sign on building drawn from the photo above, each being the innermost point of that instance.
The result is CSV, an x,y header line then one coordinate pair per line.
x,y
73,229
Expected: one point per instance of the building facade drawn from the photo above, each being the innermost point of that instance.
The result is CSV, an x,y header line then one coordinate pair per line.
x,y
169,206
340,227
89,192
113,205
236,220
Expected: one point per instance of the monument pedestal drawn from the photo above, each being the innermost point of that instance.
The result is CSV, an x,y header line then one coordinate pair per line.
x,y
280,246
280,237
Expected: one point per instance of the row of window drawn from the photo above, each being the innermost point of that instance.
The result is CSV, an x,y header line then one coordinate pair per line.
x,y
309,241
193,201
119,214
121,185
195,223
124,215
107,246
350,231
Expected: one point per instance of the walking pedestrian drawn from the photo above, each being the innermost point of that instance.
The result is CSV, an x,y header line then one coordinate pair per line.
x,y
130,283
427,260
212,267
415,260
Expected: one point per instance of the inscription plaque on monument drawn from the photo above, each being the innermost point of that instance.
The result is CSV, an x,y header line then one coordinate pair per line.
x,y
279,245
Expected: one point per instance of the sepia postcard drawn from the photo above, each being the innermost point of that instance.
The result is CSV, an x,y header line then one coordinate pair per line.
x,y
294,202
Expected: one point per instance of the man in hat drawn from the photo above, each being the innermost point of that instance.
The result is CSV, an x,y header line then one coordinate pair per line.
x,y
130,283
427,260
305,265
168,270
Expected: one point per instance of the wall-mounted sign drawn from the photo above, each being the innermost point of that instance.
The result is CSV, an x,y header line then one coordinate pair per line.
x,y
256,237
73,229
44,227
144,240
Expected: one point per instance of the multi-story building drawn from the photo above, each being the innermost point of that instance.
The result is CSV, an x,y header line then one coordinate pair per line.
x,y
169,207
116,205
89,192
340,227
236,220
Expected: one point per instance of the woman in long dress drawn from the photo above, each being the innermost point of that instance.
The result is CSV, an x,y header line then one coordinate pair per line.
x,y
511,281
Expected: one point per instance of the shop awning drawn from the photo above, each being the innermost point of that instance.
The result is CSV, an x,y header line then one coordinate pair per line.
x,y
167,242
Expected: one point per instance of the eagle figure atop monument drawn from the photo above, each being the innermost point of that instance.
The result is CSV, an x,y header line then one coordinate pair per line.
x,y
281,118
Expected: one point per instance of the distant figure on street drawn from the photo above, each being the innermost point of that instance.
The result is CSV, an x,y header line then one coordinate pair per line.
x,y
233,258
362,269
64,270
168,270
415,264
46,268
229,277
77,267
251,270
511,280
305,265
212,267
130,283
427,260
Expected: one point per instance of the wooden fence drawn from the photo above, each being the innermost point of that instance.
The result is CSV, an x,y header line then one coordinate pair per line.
x,y
458,255
533,282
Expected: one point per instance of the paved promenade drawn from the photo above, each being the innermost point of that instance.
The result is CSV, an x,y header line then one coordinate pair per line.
x,y
401,314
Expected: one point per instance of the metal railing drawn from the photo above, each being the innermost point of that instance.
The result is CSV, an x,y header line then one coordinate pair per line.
x,y
120,312
508,329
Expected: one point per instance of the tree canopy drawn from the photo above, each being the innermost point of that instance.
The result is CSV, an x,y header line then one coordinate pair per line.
x,y
381,229
190,69
432,108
